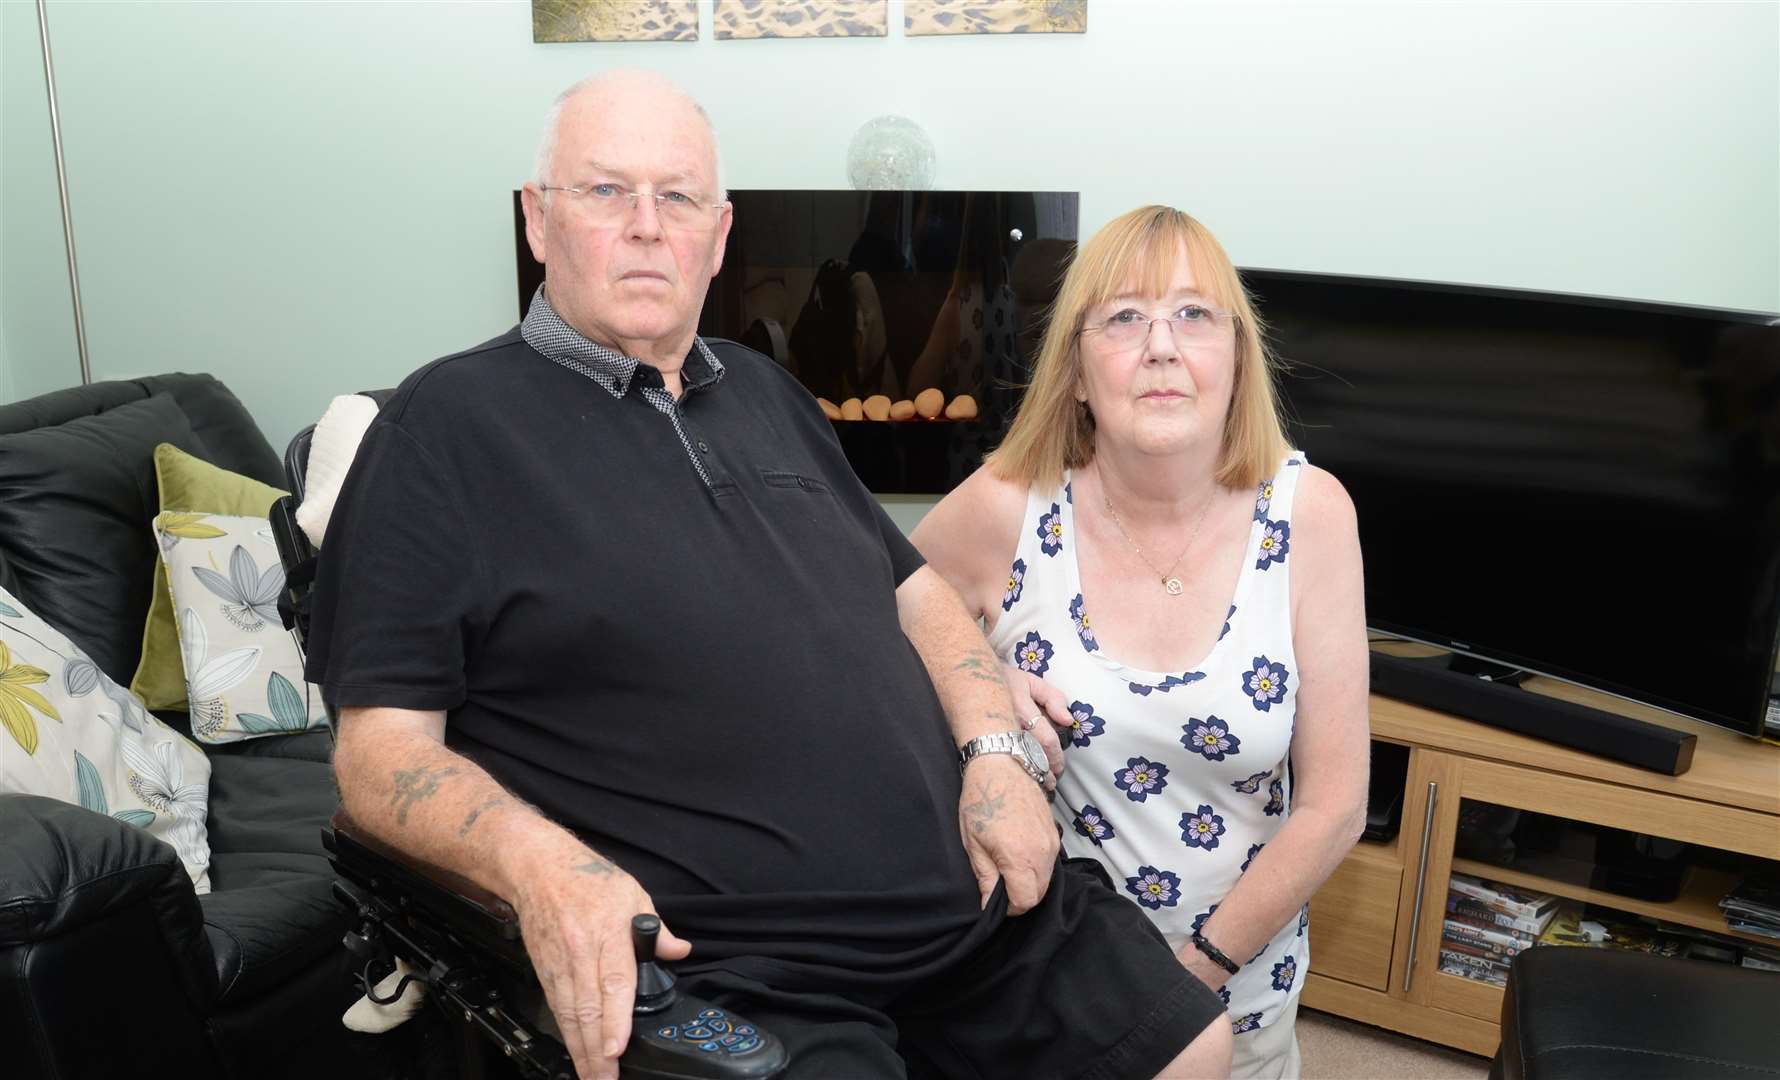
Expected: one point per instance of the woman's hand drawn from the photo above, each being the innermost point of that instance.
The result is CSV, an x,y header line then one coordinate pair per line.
x,y
1200,965
1037,701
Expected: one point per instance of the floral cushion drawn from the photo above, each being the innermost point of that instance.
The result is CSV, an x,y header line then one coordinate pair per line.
x,y
243,672
191,484
73,734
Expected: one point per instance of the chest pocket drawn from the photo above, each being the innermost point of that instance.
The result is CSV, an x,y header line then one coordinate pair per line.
x,y
833,546
791,481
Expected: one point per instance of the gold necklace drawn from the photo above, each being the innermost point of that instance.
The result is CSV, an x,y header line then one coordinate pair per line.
x,y
1170,585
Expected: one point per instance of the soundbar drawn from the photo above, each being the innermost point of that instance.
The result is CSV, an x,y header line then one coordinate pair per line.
x,y
1428,683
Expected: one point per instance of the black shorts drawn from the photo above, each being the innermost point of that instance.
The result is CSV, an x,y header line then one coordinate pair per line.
x,y
1081,986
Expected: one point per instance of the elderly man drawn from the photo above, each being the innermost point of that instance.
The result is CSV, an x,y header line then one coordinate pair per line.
x,y
613,628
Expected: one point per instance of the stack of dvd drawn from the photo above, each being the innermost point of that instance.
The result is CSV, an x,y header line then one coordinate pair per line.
x,y
1754,905
1487,925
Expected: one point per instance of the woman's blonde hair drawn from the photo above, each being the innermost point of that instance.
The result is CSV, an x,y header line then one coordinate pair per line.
x,y
1135,253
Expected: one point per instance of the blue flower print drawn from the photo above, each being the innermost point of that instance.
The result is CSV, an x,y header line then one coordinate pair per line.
x,y
1263,499
1247,1023
1016,581
1199,919
1201,829
1253,850
1276,799
1091,823
1227,616
1069,493
1050,531
1303,919
1284,972
1253,783
1033,654
1185,678
1084,725
1210,737
1276,541
1155,889
1224,995
1080,619
1141,778
1264,682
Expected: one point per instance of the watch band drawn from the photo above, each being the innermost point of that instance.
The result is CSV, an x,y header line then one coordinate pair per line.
x,y
1213,953
1011,743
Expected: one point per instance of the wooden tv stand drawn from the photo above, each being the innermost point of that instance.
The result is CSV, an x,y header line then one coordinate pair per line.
x,y
1373,961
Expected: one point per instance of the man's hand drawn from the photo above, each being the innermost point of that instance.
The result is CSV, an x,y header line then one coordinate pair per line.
x,y
1007,830
574,912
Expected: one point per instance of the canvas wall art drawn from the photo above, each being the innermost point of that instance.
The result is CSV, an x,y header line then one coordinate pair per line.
x,y
736,19
614,20
925,17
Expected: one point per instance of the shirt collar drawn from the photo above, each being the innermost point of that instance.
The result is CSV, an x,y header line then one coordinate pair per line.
x,y
547,332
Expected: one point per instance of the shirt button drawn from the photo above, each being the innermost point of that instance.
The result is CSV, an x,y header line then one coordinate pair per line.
x,y
704,447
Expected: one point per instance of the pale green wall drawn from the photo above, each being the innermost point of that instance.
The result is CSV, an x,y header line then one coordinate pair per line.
x,y
311,198
6,63
36,315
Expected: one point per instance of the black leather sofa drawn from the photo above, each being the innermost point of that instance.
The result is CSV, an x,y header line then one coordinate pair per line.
x,y
1604,1014
110,964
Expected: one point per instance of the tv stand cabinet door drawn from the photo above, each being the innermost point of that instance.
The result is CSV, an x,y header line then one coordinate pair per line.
x,y
1353,917
1430,824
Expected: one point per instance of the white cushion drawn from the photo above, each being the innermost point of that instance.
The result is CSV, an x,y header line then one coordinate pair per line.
x,y
243,671
73,734
331,450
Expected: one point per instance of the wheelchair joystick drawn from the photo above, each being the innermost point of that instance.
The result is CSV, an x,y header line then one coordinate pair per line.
x,y
655,984
678,1036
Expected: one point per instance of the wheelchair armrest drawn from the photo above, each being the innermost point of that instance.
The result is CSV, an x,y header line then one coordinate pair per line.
x,y
398,879
298,557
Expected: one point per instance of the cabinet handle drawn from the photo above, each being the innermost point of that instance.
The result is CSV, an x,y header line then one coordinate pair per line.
x,y
1421,880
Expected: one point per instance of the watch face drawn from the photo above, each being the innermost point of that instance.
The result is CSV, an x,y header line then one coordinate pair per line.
x,y
1031,753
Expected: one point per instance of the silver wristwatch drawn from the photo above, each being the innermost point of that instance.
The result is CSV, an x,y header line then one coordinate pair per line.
x,y
1023,745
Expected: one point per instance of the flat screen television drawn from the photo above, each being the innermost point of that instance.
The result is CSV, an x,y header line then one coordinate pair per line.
x,y
886,294
1579,487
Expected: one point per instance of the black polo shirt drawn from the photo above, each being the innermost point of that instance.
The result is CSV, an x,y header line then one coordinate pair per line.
x,y
674,631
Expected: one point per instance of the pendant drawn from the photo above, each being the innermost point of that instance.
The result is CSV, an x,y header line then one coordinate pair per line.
x,y
1173,586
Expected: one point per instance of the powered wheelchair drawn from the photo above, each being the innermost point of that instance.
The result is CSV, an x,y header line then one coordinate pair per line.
x,y
463,943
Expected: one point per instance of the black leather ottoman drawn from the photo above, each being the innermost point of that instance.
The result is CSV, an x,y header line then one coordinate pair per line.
x,y
1602,1014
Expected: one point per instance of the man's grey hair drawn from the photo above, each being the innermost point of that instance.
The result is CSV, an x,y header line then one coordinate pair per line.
x,y
553,126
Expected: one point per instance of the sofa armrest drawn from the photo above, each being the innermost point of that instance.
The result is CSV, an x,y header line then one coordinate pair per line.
x,y
64,868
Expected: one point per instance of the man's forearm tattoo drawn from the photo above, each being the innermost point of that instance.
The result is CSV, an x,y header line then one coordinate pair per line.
x,y
416,785
490,804
986,809
981,666
595,865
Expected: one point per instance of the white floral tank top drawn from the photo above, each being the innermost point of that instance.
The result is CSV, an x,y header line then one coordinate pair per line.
x,y
1175,780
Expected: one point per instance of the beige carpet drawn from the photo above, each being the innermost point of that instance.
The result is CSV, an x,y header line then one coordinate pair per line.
x,y
1338,1049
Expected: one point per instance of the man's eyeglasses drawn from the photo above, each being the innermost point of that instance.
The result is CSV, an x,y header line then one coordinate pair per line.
x,y
1193,323
610,204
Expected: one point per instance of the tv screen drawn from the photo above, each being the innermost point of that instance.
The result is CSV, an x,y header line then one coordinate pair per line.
x,y
1584,488
913,315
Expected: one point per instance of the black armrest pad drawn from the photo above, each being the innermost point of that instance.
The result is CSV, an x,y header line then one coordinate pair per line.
x,y
1582,1014
63,867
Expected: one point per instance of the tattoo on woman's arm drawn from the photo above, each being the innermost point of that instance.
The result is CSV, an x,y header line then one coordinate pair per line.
x,y
416,785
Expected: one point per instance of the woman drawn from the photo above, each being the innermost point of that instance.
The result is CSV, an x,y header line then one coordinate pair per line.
x,y
1212,710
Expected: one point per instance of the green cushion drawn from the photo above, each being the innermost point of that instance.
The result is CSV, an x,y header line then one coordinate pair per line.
x,y
190,485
